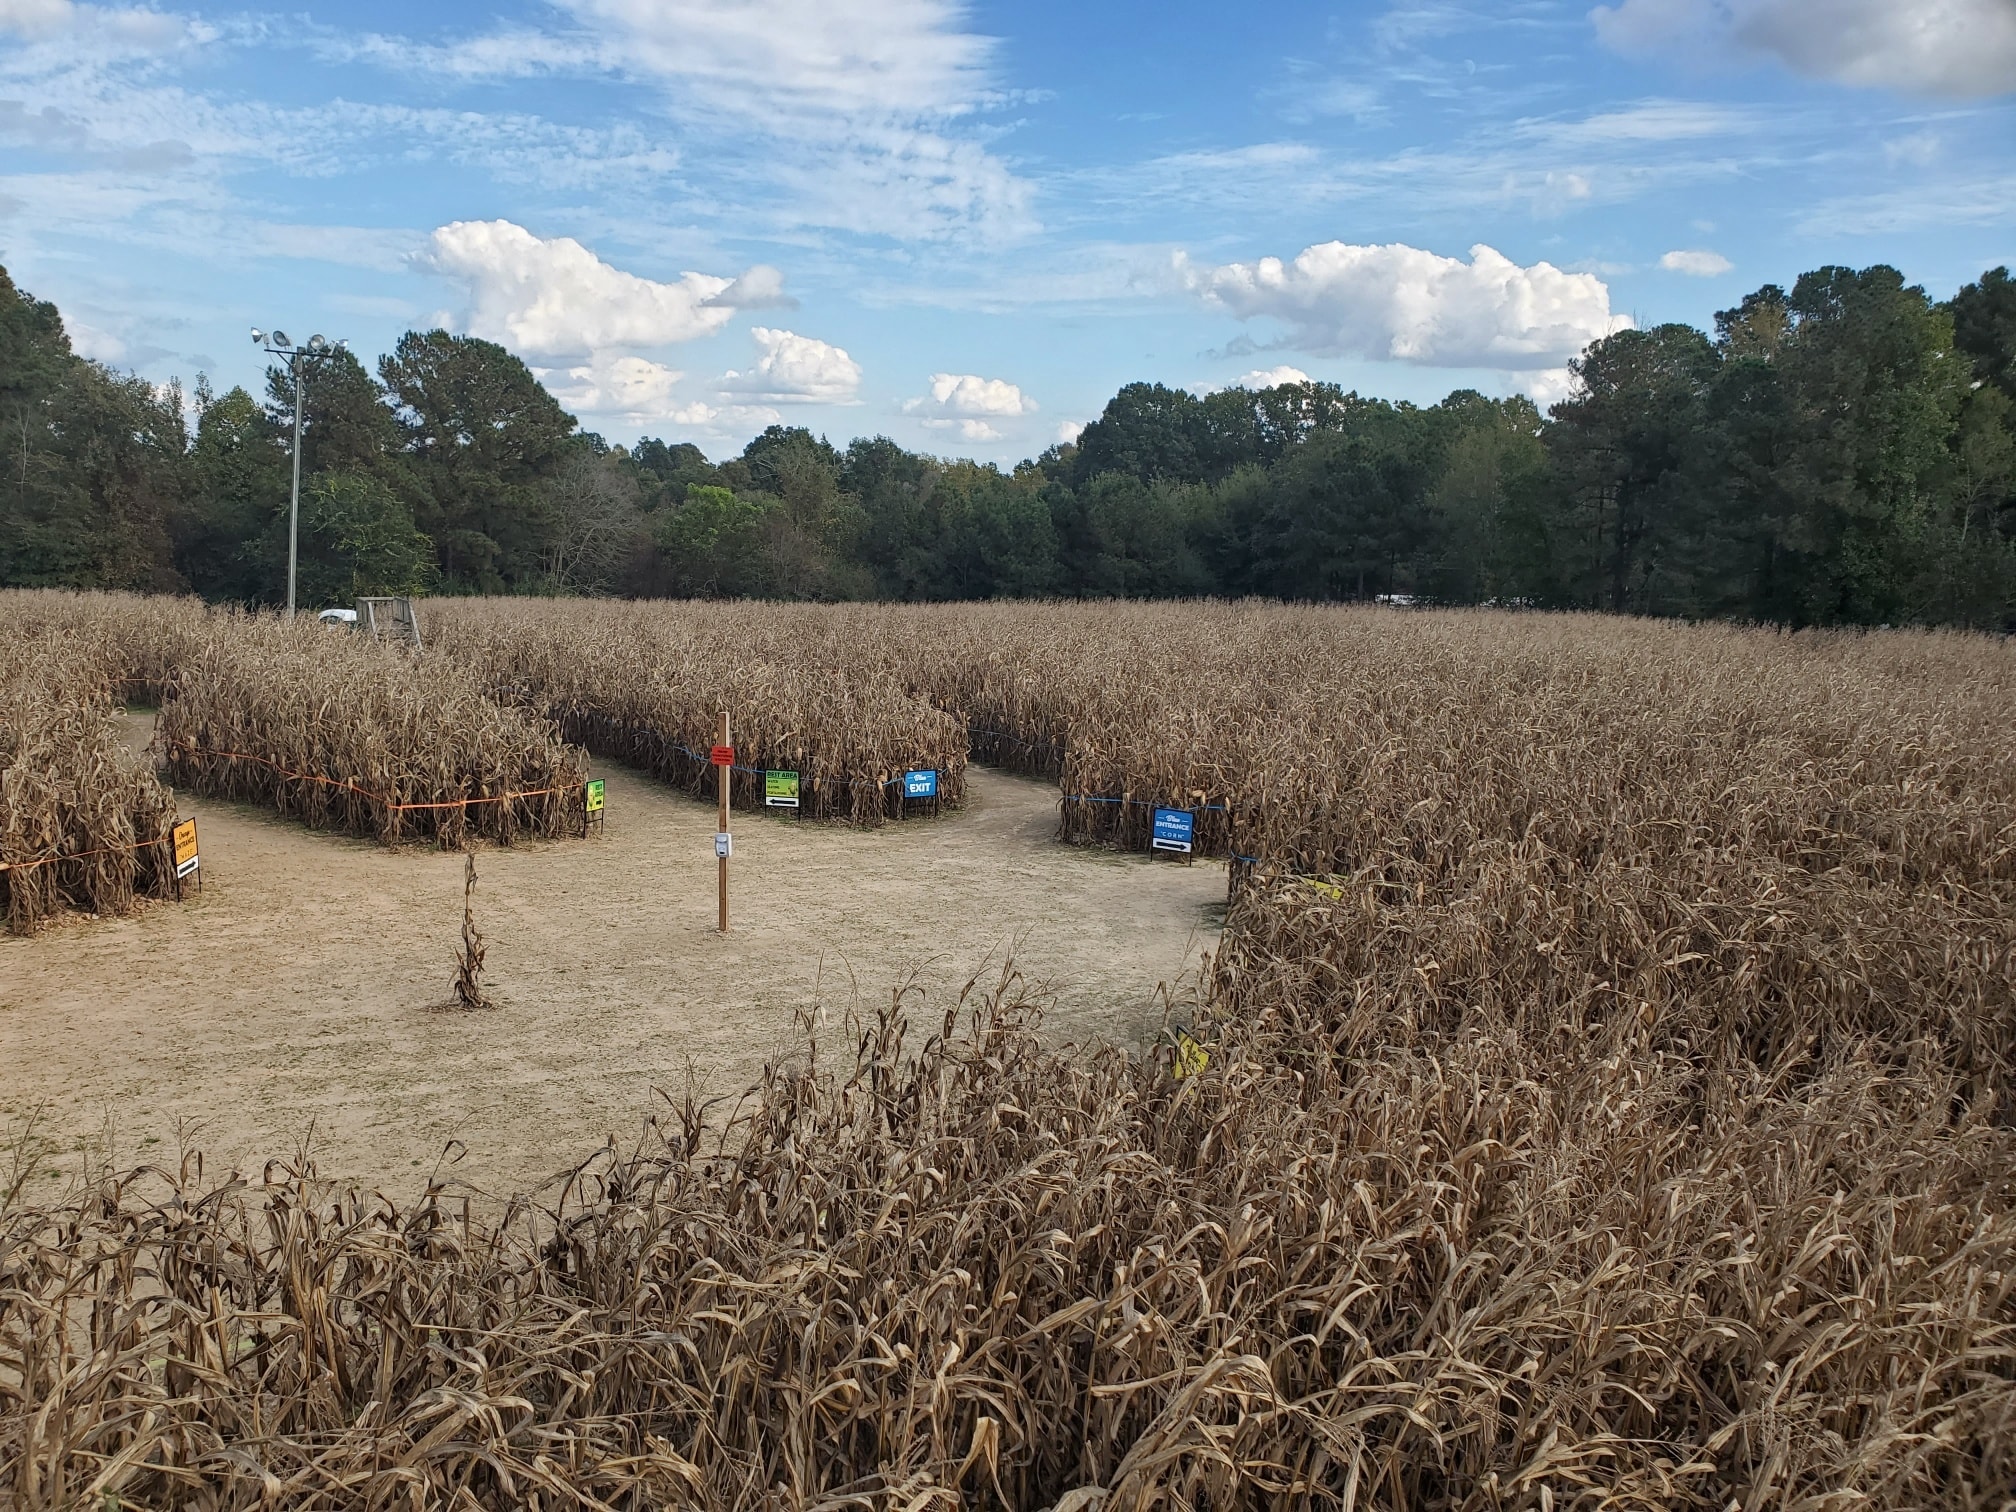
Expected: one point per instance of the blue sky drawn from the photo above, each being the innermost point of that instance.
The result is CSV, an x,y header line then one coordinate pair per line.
x,y
966,225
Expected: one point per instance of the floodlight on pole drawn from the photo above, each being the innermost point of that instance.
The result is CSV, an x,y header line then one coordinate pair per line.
x,y
299,361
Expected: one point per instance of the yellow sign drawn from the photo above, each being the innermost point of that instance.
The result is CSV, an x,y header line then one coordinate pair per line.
x,y
1190,1056
596,795
185,847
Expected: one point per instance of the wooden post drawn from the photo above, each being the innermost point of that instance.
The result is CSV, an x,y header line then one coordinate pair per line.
x,y
724,773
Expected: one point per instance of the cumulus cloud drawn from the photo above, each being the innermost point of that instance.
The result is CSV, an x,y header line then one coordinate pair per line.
x,y
626,390
795,369
1068,432
629,388
1266,378
1547,387
553,297
1696,264
761,288
1257,380
969,430
1963,48
1404,304
967,395
726,419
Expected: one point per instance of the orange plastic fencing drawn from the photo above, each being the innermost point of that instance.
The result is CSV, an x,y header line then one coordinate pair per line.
x,y
102,850
380,798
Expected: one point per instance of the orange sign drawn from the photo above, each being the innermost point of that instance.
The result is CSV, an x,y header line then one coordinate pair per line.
x,y
185,848
722,755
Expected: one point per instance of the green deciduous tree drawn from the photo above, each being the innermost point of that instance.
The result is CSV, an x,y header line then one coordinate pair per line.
x,y
1619,446
358,538
95,464
711,544
481,435
1840,453
230,542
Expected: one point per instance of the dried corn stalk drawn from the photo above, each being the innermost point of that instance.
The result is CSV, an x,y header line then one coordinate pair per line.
x,y
347,733
84,824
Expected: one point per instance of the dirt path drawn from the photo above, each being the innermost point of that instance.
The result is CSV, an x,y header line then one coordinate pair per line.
x,y
294,990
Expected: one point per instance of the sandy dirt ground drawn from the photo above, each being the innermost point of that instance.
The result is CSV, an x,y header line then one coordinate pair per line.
x,y
296,991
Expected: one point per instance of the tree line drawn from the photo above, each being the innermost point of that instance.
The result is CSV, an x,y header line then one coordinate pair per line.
x,y
1840,453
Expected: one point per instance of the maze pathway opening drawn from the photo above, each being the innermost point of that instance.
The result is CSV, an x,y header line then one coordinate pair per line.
x,y
295,990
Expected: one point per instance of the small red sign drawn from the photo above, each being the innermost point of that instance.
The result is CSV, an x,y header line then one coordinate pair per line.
x,y
721,755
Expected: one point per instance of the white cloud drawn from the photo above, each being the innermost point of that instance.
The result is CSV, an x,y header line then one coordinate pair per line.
x,y
1961,48
1696,264
1934,205
761,288
1919,149
101,30
629,388
555,297
1257,380
32,18
635,393
89,341
726,419
968,394
969,430
1404,304
795,369
1547,387
855,109
1266,378
802,58
1557,189
1259,157
1068,432
1647,121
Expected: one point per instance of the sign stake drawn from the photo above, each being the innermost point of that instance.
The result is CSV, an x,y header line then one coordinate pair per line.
x,y
724,770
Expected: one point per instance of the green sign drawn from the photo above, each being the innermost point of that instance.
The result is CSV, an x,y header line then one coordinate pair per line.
x,y
595,795
780,789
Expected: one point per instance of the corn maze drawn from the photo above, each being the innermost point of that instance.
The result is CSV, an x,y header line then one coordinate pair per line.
x,y
84,823
646,683
1609,1104
350,734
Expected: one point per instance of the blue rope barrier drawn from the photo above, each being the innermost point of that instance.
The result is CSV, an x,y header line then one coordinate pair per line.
x,y
1202,808
692,755
1207,808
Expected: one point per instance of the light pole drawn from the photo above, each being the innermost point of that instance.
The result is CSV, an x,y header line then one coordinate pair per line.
x,y
299,360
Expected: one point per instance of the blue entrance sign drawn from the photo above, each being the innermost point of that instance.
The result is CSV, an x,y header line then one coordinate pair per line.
x,y
1174,829
920,784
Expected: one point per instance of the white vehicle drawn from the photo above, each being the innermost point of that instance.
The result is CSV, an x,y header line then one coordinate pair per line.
x,y
338,616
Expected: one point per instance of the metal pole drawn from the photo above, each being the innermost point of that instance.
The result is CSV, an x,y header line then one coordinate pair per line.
x,y
294,508
723,863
